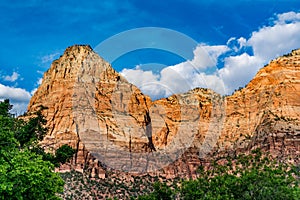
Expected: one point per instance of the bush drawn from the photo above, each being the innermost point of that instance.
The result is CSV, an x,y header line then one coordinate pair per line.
x,y
64,153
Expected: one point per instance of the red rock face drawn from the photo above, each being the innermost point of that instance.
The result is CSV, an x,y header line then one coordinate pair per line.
x,y
113,124
273,96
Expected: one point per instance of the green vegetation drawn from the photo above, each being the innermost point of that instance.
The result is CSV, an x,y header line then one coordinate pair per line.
x,y
253,176
161,192
64,153
26,171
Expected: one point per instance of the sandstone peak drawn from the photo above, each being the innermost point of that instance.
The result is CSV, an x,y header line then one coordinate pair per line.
x,y
76,58
79,47
76,52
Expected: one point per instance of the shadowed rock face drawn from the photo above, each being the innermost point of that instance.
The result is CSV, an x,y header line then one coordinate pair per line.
x,y
113,124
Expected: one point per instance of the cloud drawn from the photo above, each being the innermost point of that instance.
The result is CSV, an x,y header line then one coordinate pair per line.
x,y
273,41
139,76
238,66
49,58
236,44
181,77
212,81
18,97
287,17
206,56
145,80
238,71
17,94
12,78
267,43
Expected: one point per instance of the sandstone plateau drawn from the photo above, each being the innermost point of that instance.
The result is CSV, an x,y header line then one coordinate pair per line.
x,y
113,125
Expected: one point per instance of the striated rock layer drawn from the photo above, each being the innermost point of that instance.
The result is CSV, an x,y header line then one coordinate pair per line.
x,y
112,124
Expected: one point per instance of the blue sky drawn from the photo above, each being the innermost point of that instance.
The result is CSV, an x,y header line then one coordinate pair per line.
x,y
236,35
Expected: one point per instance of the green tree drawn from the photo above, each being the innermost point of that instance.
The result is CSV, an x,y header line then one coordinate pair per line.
x,y
24,173
64,153
32,131
5,107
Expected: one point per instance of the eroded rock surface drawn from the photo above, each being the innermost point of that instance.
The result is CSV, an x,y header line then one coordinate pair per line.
x,y
112,124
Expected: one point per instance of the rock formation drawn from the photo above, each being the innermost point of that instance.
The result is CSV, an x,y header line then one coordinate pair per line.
x,y
112,124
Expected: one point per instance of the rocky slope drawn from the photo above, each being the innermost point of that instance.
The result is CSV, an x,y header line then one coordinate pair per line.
x,y
113,125
269,107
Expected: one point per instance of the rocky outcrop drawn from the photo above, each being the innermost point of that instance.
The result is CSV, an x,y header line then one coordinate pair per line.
x,y
112,124
273,94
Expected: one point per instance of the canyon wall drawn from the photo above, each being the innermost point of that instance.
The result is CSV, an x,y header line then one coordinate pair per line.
x,y
113,125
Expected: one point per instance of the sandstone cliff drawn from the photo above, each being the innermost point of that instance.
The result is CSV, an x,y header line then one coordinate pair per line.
x,y
112,124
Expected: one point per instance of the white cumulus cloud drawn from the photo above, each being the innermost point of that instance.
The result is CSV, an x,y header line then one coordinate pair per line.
x,y
238,71
18,97
206,56
288,17
273,41
147,81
